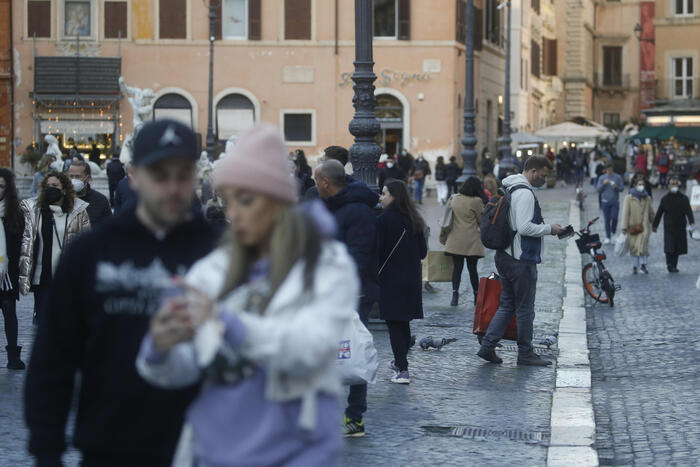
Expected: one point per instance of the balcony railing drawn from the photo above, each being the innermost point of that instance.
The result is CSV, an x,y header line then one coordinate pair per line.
x,y
612,81
670,88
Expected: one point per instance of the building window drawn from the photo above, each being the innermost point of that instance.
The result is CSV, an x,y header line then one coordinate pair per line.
x,y
77,19
549,47
493,23
683,7
298,127
39,18
235,113
172,17
611,119
535,58
297,19
386,19
234,24
683,77
612,66
173,106
536,6
115,20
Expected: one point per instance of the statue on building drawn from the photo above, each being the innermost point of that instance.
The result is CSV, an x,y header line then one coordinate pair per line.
x,y
141,101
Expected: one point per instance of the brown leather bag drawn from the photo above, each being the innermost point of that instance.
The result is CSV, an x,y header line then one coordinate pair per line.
x,y
636,229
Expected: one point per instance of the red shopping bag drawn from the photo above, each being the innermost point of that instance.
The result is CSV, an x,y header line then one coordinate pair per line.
x,y
487,302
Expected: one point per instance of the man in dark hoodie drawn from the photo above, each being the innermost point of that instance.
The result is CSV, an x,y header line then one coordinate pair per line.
x,y
352,203
107,286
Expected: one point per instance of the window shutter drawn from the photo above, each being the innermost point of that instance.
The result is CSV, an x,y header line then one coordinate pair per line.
x,y
460,23
218,24
478,28
404,20
297,19
173,19
39,18
115,20
535,58
254,21
550,56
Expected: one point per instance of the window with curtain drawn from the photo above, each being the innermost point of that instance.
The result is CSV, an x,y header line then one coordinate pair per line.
x,y
234,21
39,18
612,66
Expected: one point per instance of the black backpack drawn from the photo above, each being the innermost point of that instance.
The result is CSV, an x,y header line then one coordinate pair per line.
x,y
496,233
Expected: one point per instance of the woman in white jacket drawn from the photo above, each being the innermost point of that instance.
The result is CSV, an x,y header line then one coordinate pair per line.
x,y
259,321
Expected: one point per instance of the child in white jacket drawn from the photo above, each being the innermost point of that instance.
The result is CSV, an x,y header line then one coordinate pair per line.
x,y
259,320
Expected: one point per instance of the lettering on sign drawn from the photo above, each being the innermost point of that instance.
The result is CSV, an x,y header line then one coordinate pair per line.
x,y
387,77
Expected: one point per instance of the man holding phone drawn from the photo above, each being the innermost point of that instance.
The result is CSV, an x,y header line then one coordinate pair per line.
x,y
610,185
107,287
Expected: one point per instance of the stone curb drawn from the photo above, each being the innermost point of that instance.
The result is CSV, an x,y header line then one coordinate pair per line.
x,y
572,420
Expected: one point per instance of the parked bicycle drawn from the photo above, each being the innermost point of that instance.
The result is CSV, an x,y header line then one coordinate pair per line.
x,y
597,280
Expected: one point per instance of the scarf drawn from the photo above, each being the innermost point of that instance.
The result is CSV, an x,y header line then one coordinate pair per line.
x,y
638,194
5,282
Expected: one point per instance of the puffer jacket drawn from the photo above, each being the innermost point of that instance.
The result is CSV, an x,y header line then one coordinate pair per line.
x,y
78,221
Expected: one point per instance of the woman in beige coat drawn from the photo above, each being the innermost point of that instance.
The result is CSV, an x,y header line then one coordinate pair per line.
x,y
637,217
464,241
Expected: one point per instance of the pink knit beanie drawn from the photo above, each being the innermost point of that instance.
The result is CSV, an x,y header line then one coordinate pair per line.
x,y
258,162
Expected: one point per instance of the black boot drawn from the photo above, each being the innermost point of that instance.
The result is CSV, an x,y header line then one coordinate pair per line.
x,y
455,298
476,295
13,360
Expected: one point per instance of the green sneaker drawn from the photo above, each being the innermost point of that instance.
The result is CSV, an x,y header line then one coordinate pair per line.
x,y
353,429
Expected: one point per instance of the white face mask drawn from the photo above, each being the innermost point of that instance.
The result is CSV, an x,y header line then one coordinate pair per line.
x,y
390,164
674,189
640,187
78,185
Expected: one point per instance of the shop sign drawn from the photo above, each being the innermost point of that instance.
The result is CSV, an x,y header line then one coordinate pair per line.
x,y
388,76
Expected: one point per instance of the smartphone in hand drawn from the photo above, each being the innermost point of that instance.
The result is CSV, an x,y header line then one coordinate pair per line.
x,y
568,232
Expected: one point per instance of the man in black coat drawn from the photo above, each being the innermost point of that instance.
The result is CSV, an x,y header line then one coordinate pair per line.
x,y
675,207
98,207
392,170
115,172
452,174
352,205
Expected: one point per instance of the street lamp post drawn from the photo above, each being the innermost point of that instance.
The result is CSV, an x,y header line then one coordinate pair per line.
x,y
507,162
213,6
469,139
364,154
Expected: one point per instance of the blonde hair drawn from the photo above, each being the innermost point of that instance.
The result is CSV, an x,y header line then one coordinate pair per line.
x,y
293,238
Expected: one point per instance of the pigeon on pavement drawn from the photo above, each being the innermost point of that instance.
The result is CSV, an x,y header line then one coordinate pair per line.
x,y
549,340
428,342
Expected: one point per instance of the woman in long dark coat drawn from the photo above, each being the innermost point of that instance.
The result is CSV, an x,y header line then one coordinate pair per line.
x,y
12,222
401,245
675,207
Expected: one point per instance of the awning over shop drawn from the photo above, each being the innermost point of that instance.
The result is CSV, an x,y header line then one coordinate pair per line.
x,y
687,134
525,138
572,131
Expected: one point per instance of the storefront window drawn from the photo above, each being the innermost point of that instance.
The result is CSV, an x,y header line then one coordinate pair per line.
x,y
235,113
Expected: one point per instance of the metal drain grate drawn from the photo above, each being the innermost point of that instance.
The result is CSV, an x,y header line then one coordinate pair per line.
x,y
538,350
472,432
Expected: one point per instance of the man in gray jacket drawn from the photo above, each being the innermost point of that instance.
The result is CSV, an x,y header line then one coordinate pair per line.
x,y
517,266
609,186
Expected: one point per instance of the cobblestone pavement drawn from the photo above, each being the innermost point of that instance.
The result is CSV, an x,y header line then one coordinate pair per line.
x,y
458,410
644,359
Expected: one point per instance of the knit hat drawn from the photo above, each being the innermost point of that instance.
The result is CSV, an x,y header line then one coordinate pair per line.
x,y
258,162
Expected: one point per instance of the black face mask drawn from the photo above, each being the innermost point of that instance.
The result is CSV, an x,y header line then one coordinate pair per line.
x,y
52,194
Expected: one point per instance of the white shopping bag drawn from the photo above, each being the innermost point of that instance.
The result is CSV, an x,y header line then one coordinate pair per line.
x,y
357,358
697,284
621,245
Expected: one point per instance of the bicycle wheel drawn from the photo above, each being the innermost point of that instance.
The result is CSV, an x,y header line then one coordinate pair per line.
x,y
593,283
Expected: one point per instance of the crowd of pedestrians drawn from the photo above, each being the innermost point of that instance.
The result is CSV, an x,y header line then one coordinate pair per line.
x,y
223,350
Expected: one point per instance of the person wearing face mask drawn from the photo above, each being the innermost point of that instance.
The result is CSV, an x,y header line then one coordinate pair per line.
x,y
98,205
279,293
637,217
609,186
51,221
420,170
675,209
517,265
391,171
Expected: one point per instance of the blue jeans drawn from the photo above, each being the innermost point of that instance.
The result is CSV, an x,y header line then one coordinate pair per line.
x,y
418,189
610,212
519,282
357,397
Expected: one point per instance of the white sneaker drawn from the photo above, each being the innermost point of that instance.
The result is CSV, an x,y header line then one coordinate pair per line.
x,y
606,241
401,378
